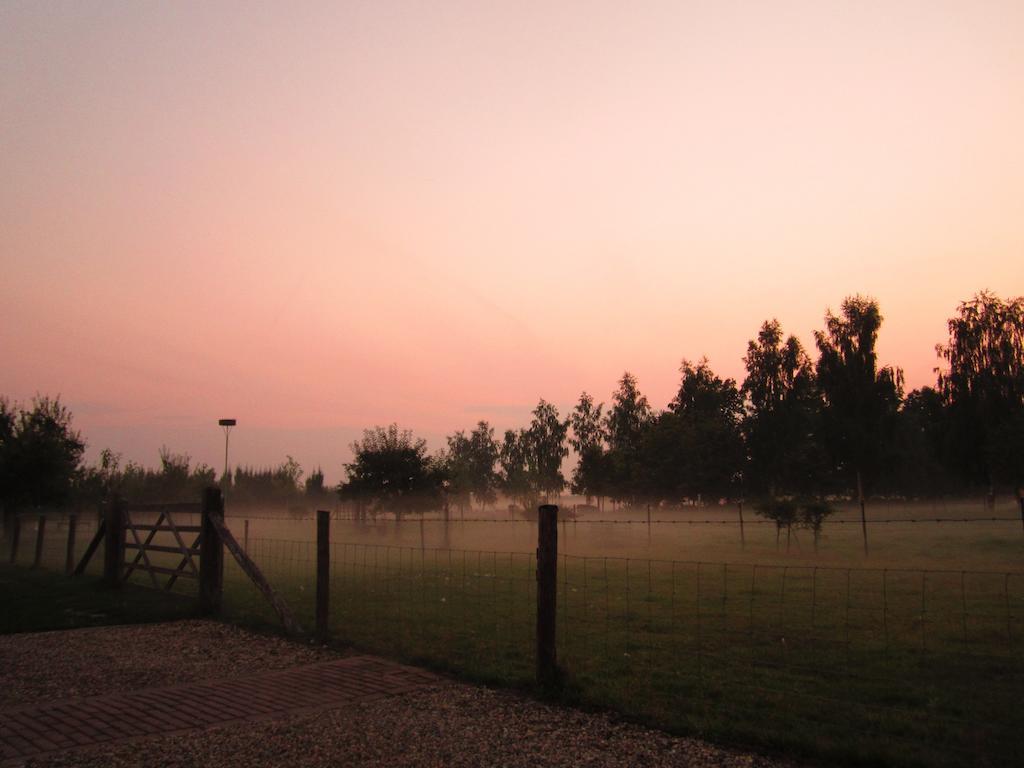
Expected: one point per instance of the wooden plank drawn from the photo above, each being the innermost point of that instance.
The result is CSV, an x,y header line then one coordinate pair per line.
x,y
253,572
149,539
179,528
165,571
142,553
101,532
197,547
181,543
162,548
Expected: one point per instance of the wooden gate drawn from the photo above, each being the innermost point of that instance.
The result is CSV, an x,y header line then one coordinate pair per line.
x,y
118,524
172,542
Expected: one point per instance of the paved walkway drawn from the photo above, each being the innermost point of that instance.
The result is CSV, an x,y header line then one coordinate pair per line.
x,y
32,730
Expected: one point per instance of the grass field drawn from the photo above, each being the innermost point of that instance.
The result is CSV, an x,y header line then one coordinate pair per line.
x,y
864,666
912,656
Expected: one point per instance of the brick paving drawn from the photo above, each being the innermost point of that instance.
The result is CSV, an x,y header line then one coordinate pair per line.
x,y
32,730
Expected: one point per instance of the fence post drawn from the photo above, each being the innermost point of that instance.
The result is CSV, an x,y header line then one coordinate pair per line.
x,y
323,571
863,516
15,537
245,544
113,550
40,532
69,558
547,586
743,536
211,554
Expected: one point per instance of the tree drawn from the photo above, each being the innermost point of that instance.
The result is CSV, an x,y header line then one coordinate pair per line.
x,y
588,440
531,459
860,399
695,447
513,457
315,483
546,439
916,462
459,469
983,389
483,455
391,472
40,453
626,422
781,421
470,465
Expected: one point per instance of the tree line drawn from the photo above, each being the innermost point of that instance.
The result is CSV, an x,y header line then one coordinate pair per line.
x,y
795,432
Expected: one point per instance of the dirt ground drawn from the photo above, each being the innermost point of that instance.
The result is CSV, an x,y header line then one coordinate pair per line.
x,y
450,724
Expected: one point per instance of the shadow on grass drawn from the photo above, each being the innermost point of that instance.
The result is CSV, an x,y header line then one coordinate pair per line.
x,y
37,601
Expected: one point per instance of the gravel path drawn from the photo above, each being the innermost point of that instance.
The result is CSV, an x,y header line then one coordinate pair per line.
x,y
451,724
70,664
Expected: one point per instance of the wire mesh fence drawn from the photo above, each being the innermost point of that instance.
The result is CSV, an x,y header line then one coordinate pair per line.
x,y
872,665
909,666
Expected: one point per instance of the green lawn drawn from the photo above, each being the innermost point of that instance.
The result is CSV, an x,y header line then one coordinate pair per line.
x,y
41,600
853,666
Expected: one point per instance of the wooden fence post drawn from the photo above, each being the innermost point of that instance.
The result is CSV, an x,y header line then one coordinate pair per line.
x,y
211,555
69,558
40,532
547,587
15,537
245,542
323,571
113,551
743,537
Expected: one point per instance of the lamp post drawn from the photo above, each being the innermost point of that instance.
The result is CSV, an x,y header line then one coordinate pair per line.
x,y
227,424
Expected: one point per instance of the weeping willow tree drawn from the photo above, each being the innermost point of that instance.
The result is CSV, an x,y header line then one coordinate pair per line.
x,y
983,389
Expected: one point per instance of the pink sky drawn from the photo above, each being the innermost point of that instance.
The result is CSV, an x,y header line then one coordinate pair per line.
x,y
320,219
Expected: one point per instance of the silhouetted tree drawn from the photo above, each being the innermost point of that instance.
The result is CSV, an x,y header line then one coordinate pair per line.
x,y
916,462
315,483
546,440
459,469
391,472
589,476
483,455
782,420
513,458
40,454
695,447
626,422
531,459
861,399
470,466
984,389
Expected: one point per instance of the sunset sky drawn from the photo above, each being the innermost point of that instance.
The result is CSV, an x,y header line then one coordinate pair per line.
x,y
316,219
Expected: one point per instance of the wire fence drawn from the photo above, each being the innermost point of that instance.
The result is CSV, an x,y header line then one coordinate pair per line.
x,y
861,664
857,664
